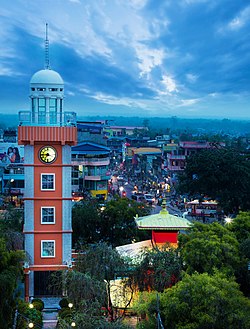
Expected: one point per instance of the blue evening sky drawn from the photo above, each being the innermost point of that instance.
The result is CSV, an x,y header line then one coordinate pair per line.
x,y
185,58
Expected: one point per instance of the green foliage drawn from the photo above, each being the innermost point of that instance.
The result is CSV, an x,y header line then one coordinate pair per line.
x,y
118,224
82,288
86,222
209,247
100,261
38,304
240,226
222,174
64,302
114,225
65,313
203,301
11,225
89,319
158,269
26,315
10,272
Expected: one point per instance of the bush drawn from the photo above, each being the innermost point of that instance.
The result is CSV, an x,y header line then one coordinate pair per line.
x,y
38,304
64,313
64,302
25,313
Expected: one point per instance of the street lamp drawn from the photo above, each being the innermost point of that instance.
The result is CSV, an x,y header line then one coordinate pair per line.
x,y
31,305
73,324
31,325
70,305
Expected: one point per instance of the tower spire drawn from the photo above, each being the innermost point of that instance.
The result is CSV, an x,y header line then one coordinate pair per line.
x,y
46,64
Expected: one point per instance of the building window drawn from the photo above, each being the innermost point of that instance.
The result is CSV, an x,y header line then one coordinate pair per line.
x,y
48,248
48,182
48,215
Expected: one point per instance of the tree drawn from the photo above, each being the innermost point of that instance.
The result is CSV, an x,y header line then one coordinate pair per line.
x,y
118,226
198,301
114,225
157,269
222,174
240,226
209,247
11,225
101,263
10,272
86,221
203,301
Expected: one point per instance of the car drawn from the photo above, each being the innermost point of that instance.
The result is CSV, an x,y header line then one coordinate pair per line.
x,y
138,198
150,199
120,178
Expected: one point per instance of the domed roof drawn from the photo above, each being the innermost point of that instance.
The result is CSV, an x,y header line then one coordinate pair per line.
x,y
47,77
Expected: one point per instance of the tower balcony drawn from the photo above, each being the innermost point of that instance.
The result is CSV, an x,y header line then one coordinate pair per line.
x,y
53,119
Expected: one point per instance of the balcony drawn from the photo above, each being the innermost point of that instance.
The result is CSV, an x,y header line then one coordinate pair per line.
x,y
176,157
28,118
80,160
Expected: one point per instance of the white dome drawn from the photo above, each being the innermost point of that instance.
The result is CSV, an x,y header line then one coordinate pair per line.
x,y
46,77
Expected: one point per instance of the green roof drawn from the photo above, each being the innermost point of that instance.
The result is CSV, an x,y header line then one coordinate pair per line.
x,y
162,221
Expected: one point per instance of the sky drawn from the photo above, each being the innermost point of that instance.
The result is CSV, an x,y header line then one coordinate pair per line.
x,y
147,58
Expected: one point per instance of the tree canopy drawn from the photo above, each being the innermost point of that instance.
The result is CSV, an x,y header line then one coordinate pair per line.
x,y
208,247
222,174
240,226
203,301
197,301
10,272
158,269
114,225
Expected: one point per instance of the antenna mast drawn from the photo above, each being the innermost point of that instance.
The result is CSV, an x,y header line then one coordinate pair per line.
x,y
47,65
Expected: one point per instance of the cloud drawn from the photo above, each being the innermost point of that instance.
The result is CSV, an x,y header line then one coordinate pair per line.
x,y
111,100
188,102
192,78
240,20
148,58
169,84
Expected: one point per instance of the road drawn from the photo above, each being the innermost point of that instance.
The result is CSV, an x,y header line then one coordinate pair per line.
x,y
128,188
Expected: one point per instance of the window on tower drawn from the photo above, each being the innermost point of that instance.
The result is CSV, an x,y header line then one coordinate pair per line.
x,y
52,110
47,215
41,110
47,182
47,248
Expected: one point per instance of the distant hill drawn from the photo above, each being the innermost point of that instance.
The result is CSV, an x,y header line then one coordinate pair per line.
x,y
171,124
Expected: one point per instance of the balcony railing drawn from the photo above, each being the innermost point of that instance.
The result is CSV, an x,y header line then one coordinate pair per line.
x,y
28,118
176,156
91,161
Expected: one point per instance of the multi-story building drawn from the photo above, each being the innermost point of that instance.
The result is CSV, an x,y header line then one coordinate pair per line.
x,y
176,159
90,169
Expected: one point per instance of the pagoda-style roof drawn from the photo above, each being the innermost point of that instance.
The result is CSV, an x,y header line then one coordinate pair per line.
x,y
163,221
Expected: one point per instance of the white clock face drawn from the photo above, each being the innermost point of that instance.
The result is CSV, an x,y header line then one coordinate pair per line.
x,y
47,154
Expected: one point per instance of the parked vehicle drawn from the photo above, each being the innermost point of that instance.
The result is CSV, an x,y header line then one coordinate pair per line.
x,y
138,197
150,199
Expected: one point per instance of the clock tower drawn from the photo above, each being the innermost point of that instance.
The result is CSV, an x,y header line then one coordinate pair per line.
x,y
47,133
